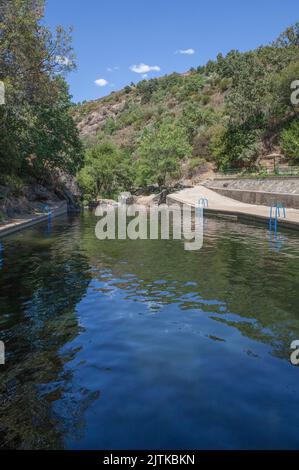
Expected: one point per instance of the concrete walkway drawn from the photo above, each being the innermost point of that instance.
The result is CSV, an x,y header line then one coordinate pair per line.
x,y
14,225
224,206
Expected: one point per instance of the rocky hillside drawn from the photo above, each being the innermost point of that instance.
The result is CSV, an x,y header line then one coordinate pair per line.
x,y
194,100
229,114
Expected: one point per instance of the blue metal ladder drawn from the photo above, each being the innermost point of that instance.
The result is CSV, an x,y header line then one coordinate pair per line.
x,y
276,207
203,202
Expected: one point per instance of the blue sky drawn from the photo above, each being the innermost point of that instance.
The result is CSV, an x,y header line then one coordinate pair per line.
x,y
112,36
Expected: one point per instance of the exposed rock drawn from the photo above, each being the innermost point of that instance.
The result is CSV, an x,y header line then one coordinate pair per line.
x,y
33,197
70,183
37,192
163,196
95,120
67,188
16,205
102,202
151,200
147,190
108,202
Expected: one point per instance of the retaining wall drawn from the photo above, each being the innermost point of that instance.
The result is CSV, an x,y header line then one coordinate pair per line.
x,y
281,185
259,197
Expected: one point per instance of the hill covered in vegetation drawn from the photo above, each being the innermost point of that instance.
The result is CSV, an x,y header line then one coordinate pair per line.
x,y
229,113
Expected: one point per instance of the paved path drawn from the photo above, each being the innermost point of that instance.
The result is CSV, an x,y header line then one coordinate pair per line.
x,y
14,225
223,205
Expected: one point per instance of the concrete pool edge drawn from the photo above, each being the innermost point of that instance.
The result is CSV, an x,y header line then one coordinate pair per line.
x,y
235,214
20,224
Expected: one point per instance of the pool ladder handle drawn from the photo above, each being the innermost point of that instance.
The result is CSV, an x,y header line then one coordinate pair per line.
x,y
277,206
203,202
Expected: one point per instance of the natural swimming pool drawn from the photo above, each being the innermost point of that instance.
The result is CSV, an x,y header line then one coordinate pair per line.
x,y
141,344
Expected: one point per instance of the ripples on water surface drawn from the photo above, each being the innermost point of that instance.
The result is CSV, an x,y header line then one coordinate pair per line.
x,y
141,344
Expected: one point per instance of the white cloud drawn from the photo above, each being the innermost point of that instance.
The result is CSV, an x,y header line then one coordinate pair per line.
x,y
143,68
101,82
111,69
144,75
186,51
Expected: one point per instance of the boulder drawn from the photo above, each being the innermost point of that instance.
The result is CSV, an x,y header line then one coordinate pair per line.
x,y
103,202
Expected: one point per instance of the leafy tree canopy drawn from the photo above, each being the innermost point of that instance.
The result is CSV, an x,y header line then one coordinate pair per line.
x,y
37,132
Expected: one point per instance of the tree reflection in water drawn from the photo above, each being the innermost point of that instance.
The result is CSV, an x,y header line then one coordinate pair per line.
x,y
141,319
41,282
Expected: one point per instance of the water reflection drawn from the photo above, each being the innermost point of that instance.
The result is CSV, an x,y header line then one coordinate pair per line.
x,y
236,278
101,334
41,282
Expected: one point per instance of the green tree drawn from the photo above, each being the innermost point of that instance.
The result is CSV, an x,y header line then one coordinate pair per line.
x,y
107,171
281,86
51,138
234,147
290,141
37,132
290,37
194,117
160,150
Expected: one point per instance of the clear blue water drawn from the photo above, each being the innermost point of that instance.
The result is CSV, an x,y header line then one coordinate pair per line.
x,y
141,344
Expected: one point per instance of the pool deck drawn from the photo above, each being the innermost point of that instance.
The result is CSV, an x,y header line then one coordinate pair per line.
x,y
16,224
223,206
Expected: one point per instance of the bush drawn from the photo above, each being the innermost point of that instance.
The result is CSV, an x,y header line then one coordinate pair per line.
x,y
234,148
202,142
224,84
193,117
193,165
107,171
160,150
205,99
110,126
290,141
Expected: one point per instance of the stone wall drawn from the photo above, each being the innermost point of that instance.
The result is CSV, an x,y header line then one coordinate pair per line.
x,y
283,185
260,197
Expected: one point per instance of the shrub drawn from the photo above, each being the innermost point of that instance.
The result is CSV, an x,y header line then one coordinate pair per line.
x,y
202,142
193,165
234,147
224,84
205,99
290,141
107,170
160,149
193,117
